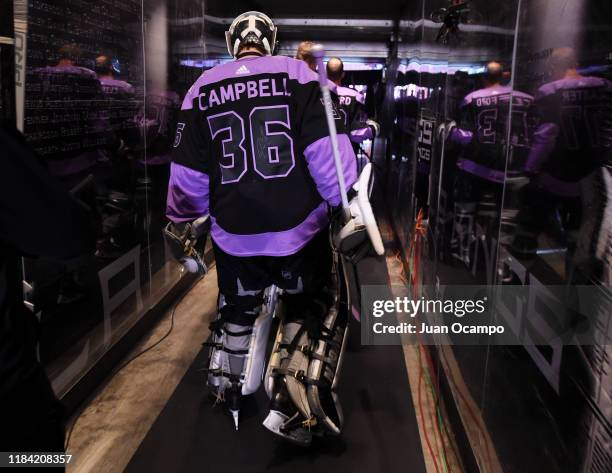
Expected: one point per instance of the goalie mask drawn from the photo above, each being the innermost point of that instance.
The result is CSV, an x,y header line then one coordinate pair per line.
x,y
251,28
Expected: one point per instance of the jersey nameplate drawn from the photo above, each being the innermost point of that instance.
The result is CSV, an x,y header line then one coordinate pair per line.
x,y
219,95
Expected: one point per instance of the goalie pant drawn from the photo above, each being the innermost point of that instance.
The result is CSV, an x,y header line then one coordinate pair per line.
x,y
241,331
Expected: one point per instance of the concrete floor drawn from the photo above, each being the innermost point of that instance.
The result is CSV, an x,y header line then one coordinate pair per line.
x,y
114,423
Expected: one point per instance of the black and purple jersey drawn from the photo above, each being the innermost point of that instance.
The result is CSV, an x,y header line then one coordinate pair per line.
x,y
351,107
64,121
571,138
116,88
483,130
120,104
158,120
252,147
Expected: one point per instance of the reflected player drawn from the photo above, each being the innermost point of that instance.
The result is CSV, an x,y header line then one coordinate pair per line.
x,y
304,53
115,169
157,125
351,106
118,93
111,86
252,148
76,155
568,145
66,83
483,135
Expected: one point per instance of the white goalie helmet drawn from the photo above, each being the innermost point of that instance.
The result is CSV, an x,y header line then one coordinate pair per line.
x,y
251,27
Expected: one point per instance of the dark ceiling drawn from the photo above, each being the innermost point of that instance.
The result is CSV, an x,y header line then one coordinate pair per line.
x,y
488,12
316,8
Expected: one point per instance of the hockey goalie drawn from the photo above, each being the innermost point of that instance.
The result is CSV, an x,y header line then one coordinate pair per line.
x,y
256,149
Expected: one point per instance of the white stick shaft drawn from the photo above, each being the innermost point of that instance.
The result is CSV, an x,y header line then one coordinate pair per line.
x,y
334,142
331,124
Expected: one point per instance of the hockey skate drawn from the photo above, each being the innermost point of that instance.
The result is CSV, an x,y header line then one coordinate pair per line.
x,y
236,359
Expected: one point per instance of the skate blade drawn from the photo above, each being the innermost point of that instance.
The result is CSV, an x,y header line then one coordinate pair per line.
x,y
235,414
275,420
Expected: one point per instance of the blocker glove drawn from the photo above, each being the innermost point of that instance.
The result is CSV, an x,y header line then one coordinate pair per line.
x,y
182,239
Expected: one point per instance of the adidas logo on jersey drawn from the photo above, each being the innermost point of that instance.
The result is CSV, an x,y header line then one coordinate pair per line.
x,y
242,70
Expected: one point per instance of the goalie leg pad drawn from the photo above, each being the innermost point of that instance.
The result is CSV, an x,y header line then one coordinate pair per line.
x,y
294,365
255,361
302,375
237,355
324,370
229,347
289,416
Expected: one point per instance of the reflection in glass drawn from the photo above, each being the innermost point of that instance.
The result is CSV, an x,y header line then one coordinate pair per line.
x,y
102,119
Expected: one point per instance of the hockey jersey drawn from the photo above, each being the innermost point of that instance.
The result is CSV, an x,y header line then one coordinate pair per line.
x,y
116,89
483,130
120,107
572,136
252,147
157,120
64,120
351,106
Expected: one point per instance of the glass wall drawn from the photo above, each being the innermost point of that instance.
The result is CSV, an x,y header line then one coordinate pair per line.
x,y
554,233
407,133
103,85
510,170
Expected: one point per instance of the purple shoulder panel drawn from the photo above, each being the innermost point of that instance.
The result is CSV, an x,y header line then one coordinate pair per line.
x,y
361,134
347,91
461,136
573,83
487,92
543,143
65,70
113,86
490,91
523,95
472,167
188,191
341,90
546,89
467,99
249,66
191,94
299,71
322,168
121,84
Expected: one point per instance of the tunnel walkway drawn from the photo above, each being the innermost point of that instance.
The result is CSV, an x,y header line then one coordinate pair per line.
x,y
380,435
